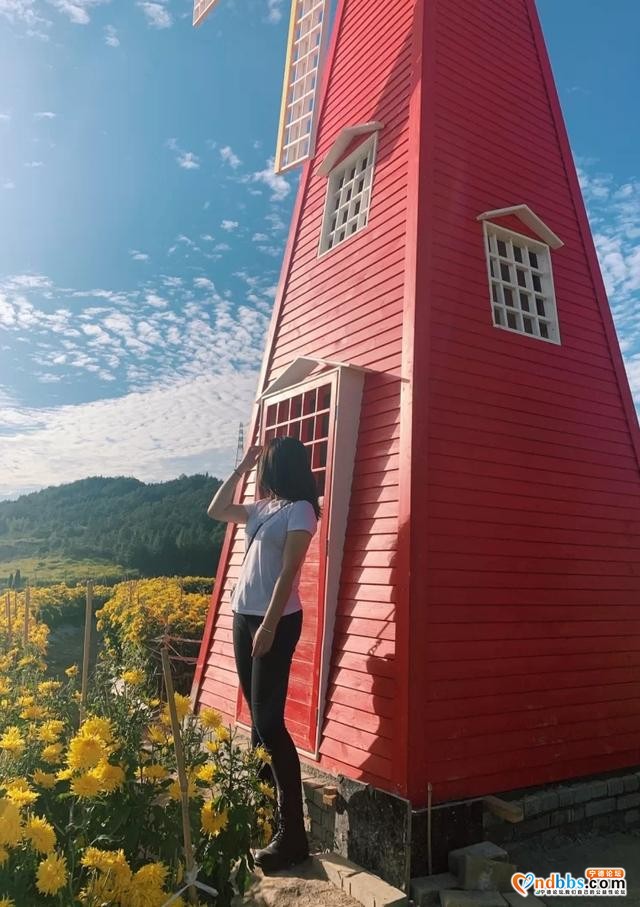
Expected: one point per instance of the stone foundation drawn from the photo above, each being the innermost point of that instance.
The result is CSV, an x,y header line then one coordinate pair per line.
x,y
381,832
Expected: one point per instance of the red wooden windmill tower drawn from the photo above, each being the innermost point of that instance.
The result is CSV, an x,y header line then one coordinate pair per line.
x,y
443,343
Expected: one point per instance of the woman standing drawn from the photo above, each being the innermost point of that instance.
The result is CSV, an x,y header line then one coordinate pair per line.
x,y
267,617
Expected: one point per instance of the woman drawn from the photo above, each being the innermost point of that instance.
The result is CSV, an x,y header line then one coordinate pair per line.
x,y
267,619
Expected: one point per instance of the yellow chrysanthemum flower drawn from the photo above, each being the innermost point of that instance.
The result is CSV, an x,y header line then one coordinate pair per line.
x,y
64,774
44,779
48,687
156,734
86,786
40,834
52,874
12,741
6,902
213,746
98,727
52,754
111,777
223,734
134,678
19,792
50,731
267,791
85,752
262,754
213,822
183,707
10,823
174,789
154,772
72,671
211,718
25,700
4,856
33,713
207,773
5,686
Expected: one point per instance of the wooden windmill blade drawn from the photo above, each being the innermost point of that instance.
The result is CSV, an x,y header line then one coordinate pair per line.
x,y
201,9
308,32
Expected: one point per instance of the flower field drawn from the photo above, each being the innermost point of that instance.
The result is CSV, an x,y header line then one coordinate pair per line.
x,y
90,809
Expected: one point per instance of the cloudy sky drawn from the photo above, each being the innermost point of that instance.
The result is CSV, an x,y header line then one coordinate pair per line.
x,y
142,228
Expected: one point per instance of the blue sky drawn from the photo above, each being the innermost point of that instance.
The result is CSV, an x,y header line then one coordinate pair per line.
x,y
142,228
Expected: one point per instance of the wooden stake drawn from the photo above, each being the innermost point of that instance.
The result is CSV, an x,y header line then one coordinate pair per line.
x,y
15,603
7,608
182,774
27,603
88,620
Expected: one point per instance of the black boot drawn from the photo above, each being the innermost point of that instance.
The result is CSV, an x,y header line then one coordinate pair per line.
x,y
289,846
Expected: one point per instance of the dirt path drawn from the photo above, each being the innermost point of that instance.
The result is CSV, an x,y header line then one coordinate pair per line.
x,y
306,886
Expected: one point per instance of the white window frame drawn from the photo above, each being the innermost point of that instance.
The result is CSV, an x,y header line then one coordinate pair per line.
x,y
369,148
544,272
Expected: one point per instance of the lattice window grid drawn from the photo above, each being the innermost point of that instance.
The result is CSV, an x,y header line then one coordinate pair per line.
x,y
349,196
521,282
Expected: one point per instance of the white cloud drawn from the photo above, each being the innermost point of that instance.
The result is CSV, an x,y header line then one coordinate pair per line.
x,y
25,13
76,10
274,11
203,283
34,164
260,237
45,115
8,184
278,185
5,117
138,256
229,157
156,13
207,237
188,161
111,38
229,225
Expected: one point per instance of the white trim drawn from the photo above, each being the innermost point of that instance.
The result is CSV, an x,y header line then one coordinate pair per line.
x,y
201,9
300,369
527,216
342,142
522,309
358,220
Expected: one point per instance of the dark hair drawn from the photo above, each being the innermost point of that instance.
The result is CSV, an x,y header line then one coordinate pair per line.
x,y
284,470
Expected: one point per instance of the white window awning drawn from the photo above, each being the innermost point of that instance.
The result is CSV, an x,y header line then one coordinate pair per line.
x,y
344,138
300,369
528,217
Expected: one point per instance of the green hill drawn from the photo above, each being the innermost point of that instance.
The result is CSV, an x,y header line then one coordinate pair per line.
x,y
102,527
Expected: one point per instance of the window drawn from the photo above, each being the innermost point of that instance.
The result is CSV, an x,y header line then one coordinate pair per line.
x,y
522,294
349,196
305,416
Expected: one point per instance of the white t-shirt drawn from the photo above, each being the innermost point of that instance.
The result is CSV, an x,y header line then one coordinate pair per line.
x,y
263,563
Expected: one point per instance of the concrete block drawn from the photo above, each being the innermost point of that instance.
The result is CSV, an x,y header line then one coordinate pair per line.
x,y
367,889
485,849
532,805
549,801
631,783
507,810
615,786
567,816
534,826
629,801
632,817
600,807
565,796
480,874
515,900
582,793
425,891
471,899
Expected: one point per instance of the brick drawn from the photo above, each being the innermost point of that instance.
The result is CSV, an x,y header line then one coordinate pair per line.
x,y
600,807
532,805
631,784
425,891
565,796
582,793
367,889
549,801
628,801
632,817
615,786
534,826
480,874
485,849
567,816
508,810
472,899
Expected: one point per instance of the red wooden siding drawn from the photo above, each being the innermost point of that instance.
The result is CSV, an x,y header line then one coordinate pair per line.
x,y
527,624
347,306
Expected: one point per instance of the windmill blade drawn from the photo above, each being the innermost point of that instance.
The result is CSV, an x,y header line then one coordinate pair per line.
x,y
308,30
201,9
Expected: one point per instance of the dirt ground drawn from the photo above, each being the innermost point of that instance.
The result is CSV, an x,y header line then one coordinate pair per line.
x,y
306,886
309,887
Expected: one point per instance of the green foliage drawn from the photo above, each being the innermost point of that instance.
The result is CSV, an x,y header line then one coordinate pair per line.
x,y
145,529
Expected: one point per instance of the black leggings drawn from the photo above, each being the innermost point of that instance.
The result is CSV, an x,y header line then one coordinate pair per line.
x,y
264,682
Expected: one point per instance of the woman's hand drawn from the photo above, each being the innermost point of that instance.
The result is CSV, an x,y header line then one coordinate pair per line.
x,y
262,641
249,460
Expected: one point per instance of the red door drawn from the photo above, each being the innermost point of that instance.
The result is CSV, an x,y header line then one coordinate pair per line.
x,y
306,412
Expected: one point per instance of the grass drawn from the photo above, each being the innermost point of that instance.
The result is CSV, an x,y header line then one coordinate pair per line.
x,y
54,569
